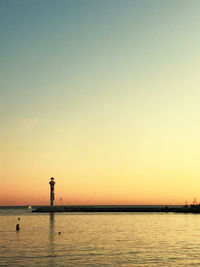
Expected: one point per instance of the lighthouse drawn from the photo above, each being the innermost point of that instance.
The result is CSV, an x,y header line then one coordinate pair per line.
x,y
52,183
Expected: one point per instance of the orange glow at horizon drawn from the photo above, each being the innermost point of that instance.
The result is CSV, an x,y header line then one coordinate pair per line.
x,y
103,194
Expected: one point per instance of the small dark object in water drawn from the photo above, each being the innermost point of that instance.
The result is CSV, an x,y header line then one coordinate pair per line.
x,y
59,233
18,219
17,227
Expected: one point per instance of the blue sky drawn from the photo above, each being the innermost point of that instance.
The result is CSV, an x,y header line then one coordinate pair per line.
x,y
90,85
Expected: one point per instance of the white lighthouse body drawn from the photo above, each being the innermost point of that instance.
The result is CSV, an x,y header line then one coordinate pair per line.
x,y
52,183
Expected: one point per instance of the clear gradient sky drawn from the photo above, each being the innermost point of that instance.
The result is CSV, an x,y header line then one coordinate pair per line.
x,y
102,95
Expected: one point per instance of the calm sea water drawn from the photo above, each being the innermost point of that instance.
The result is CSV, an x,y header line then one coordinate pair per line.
x,y
99,239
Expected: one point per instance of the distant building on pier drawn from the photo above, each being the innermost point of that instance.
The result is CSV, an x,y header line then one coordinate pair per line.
x,y
52,184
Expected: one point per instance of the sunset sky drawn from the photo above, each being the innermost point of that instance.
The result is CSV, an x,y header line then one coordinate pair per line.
x,y
102,95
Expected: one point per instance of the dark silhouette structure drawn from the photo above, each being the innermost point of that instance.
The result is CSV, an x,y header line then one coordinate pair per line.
x,y
52,184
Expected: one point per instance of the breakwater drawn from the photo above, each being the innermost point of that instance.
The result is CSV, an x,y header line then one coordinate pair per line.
x,y
113,208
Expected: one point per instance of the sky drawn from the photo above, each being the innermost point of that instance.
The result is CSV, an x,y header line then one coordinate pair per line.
x,y
103,96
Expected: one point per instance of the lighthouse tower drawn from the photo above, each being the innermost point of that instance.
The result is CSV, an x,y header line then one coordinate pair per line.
x,y
52,183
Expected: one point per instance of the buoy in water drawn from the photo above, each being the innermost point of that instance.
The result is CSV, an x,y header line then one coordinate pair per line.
x,y
17,227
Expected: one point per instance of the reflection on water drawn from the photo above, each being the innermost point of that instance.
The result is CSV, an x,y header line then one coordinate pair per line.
x,y
51,238
126,239
51,227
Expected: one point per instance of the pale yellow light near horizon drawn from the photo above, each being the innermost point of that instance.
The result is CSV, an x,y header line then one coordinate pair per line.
x,y
100,166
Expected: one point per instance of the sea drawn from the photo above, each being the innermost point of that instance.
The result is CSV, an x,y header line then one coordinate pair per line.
x,y
98,239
